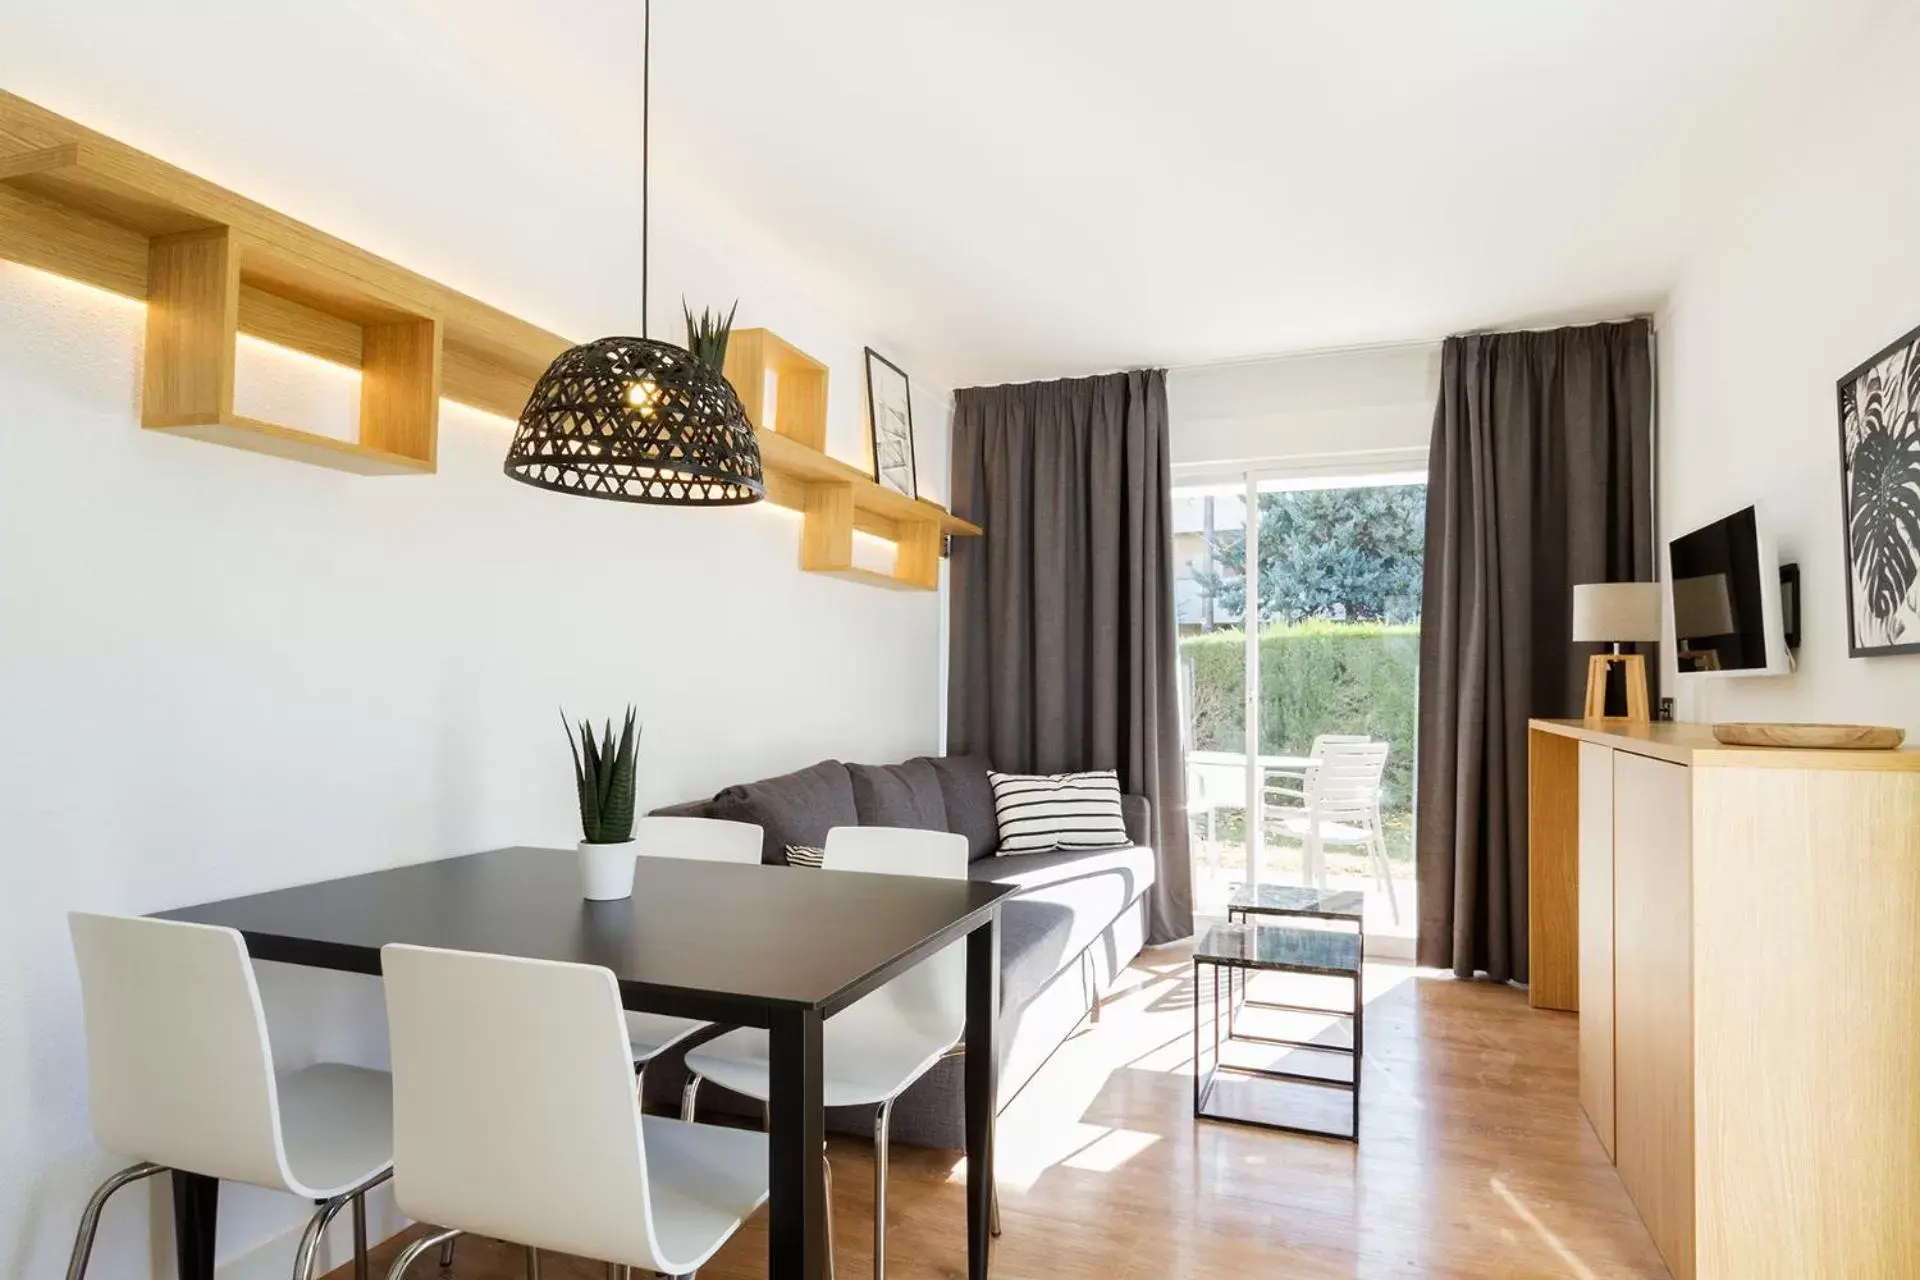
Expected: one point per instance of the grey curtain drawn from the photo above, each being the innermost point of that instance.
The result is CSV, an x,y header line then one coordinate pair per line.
x,y
1063,649
1540,478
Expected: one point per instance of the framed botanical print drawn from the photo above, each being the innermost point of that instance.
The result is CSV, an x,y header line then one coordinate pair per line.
x,y
890,425
1879,405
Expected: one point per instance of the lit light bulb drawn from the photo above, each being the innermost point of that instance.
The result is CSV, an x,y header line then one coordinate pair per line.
x,y
644,395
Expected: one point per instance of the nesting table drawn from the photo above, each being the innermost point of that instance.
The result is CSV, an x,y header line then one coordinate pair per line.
x,y
1256,940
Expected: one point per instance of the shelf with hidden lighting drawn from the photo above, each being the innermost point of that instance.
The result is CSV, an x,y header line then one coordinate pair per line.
x,y
211,264
838,498
781,387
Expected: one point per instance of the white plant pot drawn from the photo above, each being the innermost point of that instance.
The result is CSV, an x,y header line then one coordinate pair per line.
x,y
606,871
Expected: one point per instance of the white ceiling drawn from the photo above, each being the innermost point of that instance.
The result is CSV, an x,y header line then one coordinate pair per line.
x,y
1014,189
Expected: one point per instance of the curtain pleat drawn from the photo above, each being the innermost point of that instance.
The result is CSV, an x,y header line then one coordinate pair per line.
x,y
1063,648
1540,477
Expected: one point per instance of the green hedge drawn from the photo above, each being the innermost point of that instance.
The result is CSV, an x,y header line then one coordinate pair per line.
x,y
1315,677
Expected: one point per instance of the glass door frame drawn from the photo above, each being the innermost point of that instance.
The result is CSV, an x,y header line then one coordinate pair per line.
x,y
1330,471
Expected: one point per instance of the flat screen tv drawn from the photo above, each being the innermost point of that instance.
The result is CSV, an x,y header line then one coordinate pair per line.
x,y
1723,582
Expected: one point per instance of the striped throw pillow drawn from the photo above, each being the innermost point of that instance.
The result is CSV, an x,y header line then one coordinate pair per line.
x,y
805,855
1037,812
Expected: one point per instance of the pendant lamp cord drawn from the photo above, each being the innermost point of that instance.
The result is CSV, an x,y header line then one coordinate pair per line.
x,y
646,130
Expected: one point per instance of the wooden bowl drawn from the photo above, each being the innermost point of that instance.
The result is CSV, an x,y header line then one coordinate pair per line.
x,y
1819,737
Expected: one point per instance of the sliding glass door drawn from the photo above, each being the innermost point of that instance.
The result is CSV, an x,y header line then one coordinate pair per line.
x,y
1299,682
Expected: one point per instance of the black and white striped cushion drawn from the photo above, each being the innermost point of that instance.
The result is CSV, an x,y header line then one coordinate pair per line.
x,y
1037,812
805,855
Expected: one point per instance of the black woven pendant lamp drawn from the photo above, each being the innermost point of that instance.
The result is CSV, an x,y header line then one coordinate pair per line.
x,y
636,419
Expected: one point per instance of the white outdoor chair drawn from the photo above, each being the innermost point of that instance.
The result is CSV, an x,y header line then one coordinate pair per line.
x,y
515,1118
180,1076
1341,805
1299,776
700,840
875,1049
1213,786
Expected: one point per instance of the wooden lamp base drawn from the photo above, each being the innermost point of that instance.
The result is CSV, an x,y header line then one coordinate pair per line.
x,y
1636,667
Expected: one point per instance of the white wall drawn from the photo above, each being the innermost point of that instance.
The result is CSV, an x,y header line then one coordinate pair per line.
x,y
1818,270
1370,408
222,673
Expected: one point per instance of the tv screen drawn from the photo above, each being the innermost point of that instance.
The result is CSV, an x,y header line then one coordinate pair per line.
x,y
1723,619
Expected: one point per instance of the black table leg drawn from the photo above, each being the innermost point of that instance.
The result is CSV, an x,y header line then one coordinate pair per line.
x,y
196,1204
983,1087
797,1210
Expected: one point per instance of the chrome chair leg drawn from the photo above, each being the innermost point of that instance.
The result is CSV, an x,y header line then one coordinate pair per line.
x,y
689,1099
882,1121
304,1257
90,1216
414,1250
446,1252
826,1172
308,1253
360,1236
993,1199
619,1271
533,1263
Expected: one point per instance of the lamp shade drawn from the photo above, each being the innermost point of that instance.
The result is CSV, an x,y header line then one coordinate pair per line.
x,y
1615,611
636,420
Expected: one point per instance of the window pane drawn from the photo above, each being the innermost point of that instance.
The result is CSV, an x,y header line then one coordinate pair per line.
x,y
1339,600
1209,594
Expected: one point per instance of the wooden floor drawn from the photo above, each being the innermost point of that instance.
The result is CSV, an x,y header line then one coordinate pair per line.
x,y
1474,1163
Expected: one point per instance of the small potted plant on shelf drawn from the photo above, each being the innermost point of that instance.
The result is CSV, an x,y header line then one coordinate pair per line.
x,y
708,333
604,773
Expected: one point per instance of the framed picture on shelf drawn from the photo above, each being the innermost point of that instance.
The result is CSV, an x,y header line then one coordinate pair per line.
x,y
1879,405
890,425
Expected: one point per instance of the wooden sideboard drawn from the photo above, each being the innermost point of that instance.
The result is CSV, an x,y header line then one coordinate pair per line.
x,y
1739,930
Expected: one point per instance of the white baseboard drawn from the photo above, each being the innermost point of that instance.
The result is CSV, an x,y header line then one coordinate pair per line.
x,y
1386,946
273,1259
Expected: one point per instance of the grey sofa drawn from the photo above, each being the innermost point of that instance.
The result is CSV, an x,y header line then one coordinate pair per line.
x,y
1078,920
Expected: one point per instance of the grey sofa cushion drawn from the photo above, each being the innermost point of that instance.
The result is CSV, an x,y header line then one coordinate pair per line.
x,y
1137,813
1034,937
794,808
1091,886
685,809
968,797
898,795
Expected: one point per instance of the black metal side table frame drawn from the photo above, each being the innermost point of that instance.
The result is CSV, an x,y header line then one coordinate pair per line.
x,y
1299,901
1277,949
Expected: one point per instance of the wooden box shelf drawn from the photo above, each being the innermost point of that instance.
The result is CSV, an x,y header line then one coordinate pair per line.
x,y
211,264
196,270
838,498
799,400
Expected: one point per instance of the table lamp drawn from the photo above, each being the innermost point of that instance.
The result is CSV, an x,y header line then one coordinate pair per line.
x,y
1616,613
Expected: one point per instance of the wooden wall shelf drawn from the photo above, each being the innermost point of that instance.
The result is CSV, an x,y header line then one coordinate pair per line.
x,y
212,264
799,400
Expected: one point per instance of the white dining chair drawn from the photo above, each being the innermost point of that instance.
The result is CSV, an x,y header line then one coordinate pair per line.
x,y
1342,806
700,840
515,1118
872,1051
180,1076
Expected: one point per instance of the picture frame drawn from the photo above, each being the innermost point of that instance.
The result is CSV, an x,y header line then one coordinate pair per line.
x,y
890,425
1878,407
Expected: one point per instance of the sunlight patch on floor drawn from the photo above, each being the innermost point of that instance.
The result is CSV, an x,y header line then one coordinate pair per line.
x,y
1552,1241
1146,1026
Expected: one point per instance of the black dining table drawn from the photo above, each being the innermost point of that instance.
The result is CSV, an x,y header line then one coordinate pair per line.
x,y
784,948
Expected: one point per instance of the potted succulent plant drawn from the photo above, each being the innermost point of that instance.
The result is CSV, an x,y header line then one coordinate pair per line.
x,y
708,333
603,771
